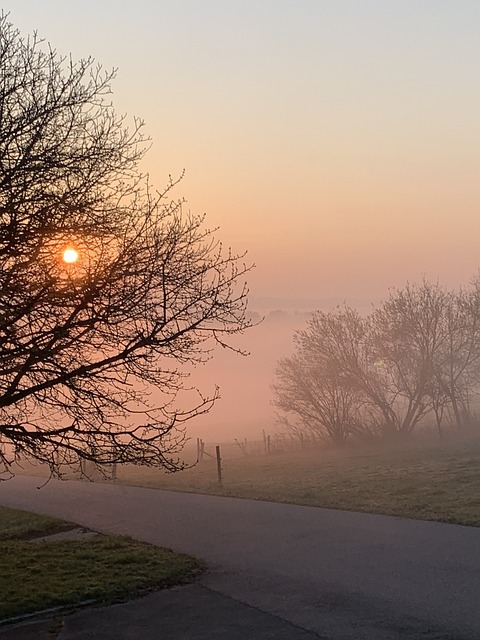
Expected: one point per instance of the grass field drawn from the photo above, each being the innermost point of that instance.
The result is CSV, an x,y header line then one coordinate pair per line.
x,y
43,574
433,481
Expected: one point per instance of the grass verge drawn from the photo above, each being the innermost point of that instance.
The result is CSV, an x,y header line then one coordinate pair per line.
x,y
105,569
438,481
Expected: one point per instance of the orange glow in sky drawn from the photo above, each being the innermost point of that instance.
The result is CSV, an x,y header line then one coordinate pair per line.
x,y
337,142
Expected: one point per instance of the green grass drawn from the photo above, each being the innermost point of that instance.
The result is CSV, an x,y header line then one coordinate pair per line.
x,y
43,574
429,482
23,524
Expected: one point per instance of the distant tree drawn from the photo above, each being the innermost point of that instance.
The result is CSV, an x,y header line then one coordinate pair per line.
x,y
321,387
93,352
415,355
457,365
429,341
408,334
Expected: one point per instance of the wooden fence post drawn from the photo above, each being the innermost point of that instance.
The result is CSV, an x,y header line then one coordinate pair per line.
x,y
219,465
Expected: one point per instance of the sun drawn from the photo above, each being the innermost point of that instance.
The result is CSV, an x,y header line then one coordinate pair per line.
x,y
70,255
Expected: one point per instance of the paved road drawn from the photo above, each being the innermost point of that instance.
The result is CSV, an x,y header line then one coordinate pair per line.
x,y
340,575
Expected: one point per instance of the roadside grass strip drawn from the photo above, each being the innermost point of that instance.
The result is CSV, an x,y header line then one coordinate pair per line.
x,y
101,569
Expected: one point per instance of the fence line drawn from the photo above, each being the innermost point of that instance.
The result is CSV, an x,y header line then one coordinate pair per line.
x,y
270,444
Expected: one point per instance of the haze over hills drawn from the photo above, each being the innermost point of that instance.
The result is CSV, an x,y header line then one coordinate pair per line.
x,y
266,304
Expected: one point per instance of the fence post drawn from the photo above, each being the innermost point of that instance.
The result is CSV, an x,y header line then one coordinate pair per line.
x,y
219,465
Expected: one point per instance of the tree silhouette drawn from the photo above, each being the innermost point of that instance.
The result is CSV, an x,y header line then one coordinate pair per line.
x,y
94,352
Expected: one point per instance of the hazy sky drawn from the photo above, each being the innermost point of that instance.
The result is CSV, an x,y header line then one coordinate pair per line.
x,y
337,141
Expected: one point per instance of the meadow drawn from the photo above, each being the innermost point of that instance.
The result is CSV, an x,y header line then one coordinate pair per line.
x,y
420,479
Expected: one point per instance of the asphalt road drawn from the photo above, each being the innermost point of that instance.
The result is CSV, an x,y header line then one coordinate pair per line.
x,y
338,574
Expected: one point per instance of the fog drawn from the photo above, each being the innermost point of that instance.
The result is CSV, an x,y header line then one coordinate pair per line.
x,y
244,409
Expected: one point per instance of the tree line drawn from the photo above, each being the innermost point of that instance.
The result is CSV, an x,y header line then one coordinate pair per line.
x,y
414,360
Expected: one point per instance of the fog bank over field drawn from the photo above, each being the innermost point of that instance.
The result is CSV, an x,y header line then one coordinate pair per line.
x,y
244,408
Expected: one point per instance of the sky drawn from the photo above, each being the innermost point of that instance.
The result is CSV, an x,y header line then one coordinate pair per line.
x,y
337,141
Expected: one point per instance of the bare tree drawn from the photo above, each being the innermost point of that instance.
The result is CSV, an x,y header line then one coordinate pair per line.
x,y
94,353
408,333
457,365
319,387
417,353
429,341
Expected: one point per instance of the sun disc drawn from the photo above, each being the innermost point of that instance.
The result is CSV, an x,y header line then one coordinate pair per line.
x,y
70,255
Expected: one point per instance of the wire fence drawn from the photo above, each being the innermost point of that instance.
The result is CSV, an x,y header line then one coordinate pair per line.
x,y
270,444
